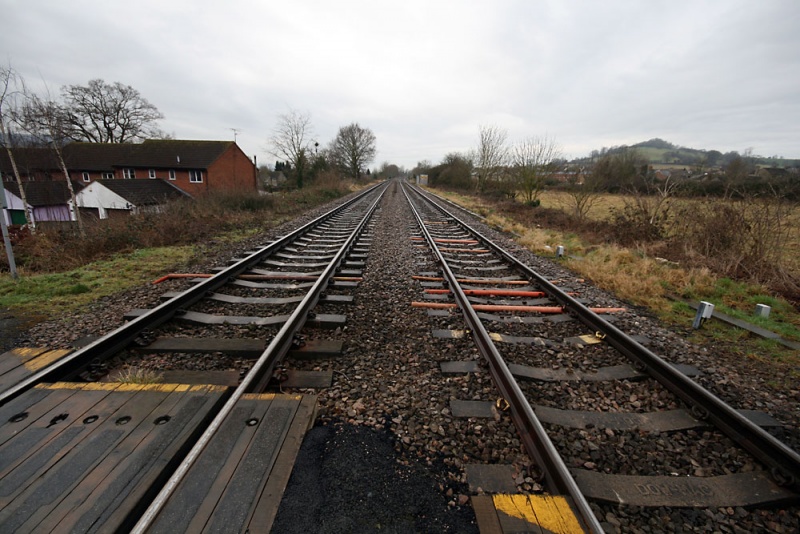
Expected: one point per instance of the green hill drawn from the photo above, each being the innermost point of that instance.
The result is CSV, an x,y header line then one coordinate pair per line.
x,y
660,152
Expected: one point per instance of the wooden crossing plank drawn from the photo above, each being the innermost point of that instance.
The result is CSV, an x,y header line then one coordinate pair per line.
x,y
81,462
221,491
486,515
93,467
536,513
144,459
263,514
217,378
18,356
18,364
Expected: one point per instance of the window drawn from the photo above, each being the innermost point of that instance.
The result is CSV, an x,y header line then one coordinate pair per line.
x,y
108,176
172,174
128,174
151,174
196,177
85,176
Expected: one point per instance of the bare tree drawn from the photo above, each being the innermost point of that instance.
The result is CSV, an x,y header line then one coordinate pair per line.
x,y
44,119
291,141
353,149
534,160
583,190
10,89
107,113
491,155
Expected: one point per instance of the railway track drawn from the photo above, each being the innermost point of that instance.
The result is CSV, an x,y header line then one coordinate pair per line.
x,y
595,434
517,317
54,409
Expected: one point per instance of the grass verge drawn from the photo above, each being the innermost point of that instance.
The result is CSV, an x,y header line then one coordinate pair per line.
x,y
653,283
52,294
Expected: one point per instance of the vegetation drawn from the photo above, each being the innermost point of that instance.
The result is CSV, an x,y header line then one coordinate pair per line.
x,y
353,149
738,220
291,140
59,271
100,112
135,375
663,153
640,273
52,294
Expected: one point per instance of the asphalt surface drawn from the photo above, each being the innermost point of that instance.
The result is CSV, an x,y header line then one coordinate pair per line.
x,y
347,478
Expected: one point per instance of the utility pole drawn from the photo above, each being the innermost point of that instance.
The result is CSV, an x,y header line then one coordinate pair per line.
x,y
6,239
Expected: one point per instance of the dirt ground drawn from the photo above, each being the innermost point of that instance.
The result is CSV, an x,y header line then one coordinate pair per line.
x,y
11,328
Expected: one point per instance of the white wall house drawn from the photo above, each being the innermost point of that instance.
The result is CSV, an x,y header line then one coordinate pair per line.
x,y
109,198
98,197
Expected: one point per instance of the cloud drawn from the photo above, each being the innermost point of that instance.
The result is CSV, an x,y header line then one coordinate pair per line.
x,y
713,74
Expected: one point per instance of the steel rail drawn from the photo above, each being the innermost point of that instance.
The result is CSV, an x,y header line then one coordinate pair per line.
x,y
783,461
116,340
277,348
531,430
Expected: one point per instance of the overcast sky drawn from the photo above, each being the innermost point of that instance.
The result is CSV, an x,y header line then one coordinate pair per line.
x,y
425,75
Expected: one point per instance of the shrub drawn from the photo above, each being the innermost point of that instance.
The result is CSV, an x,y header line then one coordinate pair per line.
x,y
59,247
746,239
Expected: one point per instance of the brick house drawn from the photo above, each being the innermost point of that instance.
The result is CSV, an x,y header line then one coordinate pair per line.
x,y
196,167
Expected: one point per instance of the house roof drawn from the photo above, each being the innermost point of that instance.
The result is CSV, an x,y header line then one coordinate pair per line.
x,y
144,192
171,153
154,153
44,193
95,156
29,159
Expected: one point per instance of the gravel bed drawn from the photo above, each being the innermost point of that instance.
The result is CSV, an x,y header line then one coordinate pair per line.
x,y
385,424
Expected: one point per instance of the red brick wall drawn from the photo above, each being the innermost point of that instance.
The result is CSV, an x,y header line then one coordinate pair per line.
x,y
232,171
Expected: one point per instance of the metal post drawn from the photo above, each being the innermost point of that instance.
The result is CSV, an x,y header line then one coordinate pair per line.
x,y
12,265
704,311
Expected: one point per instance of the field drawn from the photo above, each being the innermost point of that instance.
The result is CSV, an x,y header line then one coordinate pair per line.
x,y
601,210
638,275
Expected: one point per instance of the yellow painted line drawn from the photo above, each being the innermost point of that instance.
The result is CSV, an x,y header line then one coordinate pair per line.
x,y
129,387
61,385
273,396
207,388
23,354
46,359
100,386
548,512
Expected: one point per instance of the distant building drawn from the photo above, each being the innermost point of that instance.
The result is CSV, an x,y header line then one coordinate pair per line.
x,y
196,167
49,201
106,199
